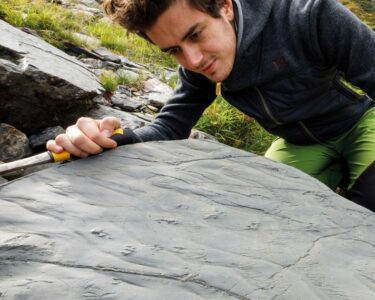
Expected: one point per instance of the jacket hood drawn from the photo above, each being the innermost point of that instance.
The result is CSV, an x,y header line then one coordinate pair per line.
x,y
251,17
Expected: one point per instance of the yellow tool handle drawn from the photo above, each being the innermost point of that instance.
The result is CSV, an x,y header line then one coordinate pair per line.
x,y
65,155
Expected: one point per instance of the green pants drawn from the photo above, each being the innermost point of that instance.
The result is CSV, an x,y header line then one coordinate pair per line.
x,y
356,148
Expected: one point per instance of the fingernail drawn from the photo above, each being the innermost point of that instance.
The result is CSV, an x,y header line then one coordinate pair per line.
x,y
57,148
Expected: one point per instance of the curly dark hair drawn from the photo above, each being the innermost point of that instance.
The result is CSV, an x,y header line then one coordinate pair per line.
x,y
139,15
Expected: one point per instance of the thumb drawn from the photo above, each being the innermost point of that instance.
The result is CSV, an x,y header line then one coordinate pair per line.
x,y
108,125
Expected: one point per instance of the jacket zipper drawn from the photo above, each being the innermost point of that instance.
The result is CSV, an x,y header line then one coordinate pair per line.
x,y
346,89
266,108
272,117
307,130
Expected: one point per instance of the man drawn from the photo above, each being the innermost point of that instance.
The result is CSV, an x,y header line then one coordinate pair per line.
x,y
284,62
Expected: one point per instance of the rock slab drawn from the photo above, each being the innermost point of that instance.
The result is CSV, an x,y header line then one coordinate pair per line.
x,y
185,219
41,86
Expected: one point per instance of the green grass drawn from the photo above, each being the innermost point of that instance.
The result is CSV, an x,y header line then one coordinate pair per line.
x,y
115,38
172,81
57,25
54,23
234,128
367,5
111,80
364,9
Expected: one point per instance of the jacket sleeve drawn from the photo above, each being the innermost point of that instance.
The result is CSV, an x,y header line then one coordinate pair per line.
x,y
192,96
343,41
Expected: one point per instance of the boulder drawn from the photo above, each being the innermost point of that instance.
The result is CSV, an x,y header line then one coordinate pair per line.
x,y
14,144
185,219
41,86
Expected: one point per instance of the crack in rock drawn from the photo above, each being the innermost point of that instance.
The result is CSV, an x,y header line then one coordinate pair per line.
x,y
181,278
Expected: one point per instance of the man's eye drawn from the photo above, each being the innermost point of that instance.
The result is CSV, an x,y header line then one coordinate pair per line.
x,y
173,51
195,36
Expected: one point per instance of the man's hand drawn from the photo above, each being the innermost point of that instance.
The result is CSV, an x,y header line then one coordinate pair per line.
x,y
87,136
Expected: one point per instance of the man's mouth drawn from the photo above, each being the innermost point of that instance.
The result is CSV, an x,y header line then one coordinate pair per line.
x,y
209,68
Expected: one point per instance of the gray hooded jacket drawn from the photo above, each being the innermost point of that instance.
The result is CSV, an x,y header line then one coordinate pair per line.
x,y
291,57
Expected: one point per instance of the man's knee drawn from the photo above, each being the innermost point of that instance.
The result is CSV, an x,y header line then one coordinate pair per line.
x,y
363,190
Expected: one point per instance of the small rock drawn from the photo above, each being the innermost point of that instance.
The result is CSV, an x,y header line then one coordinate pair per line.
x,y
88,40
124,102
127,75
153,108
90,3
157,92
14,144
124,90
197,134
107,55
89,12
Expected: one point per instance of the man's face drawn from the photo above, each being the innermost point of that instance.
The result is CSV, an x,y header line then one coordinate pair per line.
x,y
199,42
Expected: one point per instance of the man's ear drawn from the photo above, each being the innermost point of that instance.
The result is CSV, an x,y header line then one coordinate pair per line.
x,y
227,10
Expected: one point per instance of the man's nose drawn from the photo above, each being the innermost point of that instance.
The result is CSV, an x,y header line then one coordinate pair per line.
x,y
193,57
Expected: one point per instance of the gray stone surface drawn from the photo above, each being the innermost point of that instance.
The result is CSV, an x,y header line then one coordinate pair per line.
x,y
124,102
87,39
40,82
127,120
2,180
38,141
181,220
107,55
157,92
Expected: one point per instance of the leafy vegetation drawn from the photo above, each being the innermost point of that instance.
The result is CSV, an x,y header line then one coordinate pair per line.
x,y
108,79
58,25
111,80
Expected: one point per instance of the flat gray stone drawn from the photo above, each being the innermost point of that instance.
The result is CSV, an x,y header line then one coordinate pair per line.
x,y
125,102
185,219
107,55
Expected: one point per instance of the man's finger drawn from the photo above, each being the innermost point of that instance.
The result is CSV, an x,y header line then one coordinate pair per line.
x,y
108,125
89,137
63,140
52,146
